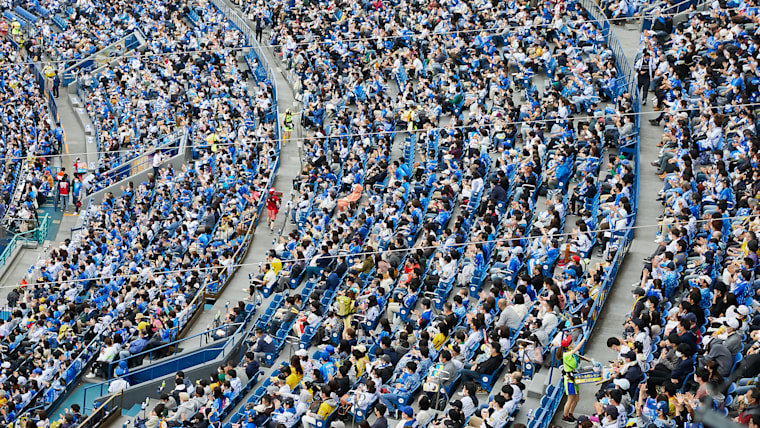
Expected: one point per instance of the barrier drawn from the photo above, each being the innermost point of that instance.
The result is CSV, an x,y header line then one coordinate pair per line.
x,y
104,412
103,56
37,235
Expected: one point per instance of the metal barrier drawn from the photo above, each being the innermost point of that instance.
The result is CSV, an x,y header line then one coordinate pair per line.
x,y
103,56
155,354
37,235
172,146
104,412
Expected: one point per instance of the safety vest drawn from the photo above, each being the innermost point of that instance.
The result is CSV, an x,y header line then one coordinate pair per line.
x,y
288,122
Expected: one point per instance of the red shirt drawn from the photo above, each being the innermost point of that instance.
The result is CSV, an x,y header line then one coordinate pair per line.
x,y
63,188
272,202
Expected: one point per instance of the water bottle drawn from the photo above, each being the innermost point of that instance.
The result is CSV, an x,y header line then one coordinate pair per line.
x,y
161,388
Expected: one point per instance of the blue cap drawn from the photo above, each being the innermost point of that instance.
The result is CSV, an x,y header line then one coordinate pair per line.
x,y
662,406
330,349
408,411
37,371
119,371
324,356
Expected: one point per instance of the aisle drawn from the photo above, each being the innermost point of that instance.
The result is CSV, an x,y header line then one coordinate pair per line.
x,y
620,300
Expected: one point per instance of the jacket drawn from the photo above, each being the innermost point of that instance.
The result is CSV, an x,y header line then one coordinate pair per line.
x,y
187,409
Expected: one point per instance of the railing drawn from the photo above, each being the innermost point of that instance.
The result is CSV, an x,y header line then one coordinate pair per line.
x,y
163,351
103,56
172,146
646,20
37,235
104,411
155,371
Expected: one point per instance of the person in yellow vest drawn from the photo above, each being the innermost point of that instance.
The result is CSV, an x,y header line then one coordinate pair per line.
x,y
287,125
16,30
49,72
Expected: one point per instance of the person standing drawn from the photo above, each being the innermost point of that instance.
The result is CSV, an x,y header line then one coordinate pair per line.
x,y
56,84
76,192
259,26
63,193
569,366
273,206
645,67
157,159
287,125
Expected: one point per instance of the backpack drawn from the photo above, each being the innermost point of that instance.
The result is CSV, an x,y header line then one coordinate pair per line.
x,y
345,306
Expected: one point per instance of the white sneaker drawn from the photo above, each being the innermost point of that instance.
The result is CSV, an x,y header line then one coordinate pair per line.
x,y
90,375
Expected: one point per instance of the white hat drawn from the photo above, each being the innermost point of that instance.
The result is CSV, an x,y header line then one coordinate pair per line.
x,y
743,310
302,353
6,364
733,323
623,383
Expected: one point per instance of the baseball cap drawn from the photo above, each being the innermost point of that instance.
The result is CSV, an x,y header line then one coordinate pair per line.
x,y
743,310
576,258
638,291
408,411
611,410
662,406
301,353
691,317
622,383
733,323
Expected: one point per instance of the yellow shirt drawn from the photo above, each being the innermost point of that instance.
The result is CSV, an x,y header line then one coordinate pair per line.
x,y
276,265
325,409
293,379
438,340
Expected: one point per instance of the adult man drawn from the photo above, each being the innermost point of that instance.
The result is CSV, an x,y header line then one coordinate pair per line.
x,y
63,193
264,345
750,406
405,384
486,367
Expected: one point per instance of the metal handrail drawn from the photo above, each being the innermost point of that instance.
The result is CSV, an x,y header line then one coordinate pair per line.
x,y
149,352
97,416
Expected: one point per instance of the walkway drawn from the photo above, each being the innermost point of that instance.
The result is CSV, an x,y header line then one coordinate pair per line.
x,y
619,301
61,222
262,241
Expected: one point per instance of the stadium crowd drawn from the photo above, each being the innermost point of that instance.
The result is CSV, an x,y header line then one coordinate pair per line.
x,y
403,295
129,281
26,132
691,338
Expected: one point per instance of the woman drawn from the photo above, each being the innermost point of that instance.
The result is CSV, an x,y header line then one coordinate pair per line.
x,y
469,400
361,398
296,372
569,366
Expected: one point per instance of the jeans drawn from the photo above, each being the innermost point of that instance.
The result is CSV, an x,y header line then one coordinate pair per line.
x,y
390,400
64,199
468,375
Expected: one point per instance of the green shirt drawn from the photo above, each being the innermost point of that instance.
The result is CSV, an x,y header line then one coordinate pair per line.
x,y
569,362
